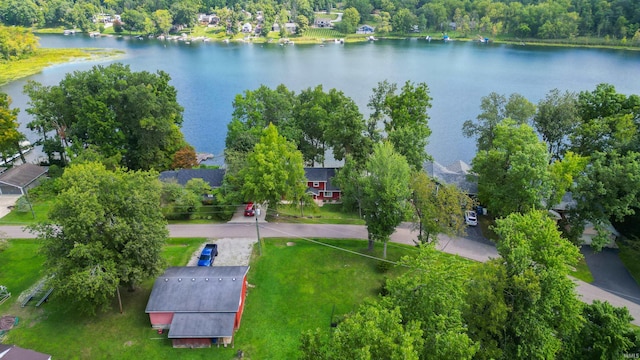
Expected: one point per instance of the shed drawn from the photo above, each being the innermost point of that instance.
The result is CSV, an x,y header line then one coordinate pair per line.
x,y
17,180
199,305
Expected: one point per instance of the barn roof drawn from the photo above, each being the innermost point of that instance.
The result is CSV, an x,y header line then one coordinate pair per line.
x,y
213,177
23,175
197,325
198,289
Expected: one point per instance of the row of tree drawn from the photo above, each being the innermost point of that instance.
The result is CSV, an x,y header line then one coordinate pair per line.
x,y
587,144
521,305
16,43
619,19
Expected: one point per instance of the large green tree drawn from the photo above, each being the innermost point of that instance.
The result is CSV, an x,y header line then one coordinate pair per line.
x,y
386,190
273,171
495,108
16,43
555,120
132,114
438,208
10,136
513,175
407,122
105,230
531,307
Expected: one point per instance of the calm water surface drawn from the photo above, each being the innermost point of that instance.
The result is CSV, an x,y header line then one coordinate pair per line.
x,y
208,76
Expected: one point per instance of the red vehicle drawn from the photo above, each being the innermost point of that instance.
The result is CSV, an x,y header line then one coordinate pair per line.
x,y
249,210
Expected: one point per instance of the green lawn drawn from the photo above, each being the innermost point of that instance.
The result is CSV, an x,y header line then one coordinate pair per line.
x,y
40,210
326,214
20,268
629,254
293,288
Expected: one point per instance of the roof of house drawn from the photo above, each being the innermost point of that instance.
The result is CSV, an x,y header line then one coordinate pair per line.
x,y
458,173
212,176
13,352
322,174
198,325
23,175
198,289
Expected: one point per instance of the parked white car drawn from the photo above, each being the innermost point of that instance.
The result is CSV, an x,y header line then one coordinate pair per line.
x,y
470,218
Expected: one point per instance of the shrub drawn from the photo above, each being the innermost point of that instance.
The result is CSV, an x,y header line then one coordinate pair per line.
x,y
22,205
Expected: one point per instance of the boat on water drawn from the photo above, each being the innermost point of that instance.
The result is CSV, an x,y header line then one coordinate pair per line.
x,y
428,38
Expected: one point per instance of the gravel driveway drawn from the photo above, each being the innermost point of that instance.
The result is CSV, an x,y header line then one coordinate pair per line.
x,y
231,251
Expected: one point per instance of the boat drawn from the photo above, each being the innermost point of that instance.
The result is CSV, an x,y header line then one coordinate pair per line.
x,y
428,38
371,38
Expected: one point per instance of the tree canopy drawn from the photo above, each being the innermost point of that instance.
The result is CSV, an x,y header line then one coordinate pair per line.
x,y
105,230
134,115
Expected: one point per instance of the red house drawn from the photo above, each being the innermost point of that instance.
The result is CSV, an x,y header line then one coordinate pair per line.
x,y
320,186
200,305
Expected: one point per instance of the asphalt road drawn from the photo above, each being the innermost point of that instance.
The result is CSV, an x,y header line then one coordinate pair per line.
x,y
473,248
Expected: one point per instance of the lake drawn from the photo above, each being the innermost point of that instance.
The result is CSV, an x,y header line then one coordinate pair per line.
x,y
209,75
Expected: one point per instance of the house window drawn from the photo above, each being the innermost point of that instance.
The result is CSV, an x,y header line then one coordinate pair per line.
x,y
328,194
316,184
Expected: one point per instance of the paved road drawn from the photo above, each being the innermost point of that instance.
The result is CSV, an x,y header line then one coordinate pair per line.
x,y
468,248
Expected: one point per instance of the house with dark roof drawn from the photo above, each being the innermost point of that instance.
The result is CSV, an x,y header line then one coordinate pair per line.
x,y
320,184
13,352
213,177
18,179
199,305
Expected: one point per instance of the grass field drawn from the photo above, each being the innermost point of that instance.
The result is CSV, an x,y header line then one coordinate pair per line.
x,y
13,70
40,210
293,288
326,214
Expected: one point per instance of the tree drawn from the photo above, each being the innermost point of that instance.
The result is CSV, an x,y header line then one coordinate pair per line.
x,y
350,21
513,174
133,20
404,21
302,23
105,230
496,108
273,171
372,332
20,12
344,127
184,12
555,120
10,136
350,178
135,115
438,208
162,20
606,334
386,190
609,188
185,158
406,122
16,43
532,301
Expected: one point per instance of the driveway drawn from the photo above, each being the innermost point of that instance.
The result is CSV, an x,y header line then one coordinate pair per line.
x,y
6,203
609,273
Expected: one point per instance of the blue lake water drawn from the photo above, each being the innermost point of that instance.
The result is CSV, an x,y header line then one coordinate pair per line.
x,y
209,75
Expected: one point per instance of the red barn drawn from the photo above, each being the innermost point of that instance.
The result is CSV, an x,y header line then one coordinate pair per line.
x,y
320,185
200,305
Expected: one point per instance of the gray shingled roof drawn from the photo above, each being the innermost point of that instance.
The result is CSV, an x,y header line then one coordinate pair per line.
x,y
322,174
13,352
23,175
198,325
212,176
197,289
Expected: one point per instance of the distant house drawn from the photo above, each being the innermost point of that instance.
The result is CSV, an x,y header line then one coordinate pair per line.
x,y
199,305
17,180
320,184
322,23
290,27
458,173
247,28
365,29
13,352
213,177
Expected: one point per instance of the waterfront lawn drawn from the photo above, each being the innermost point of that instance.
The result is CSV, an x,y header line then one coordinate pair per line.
x,y
21,268
293,289
44,57
326,214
